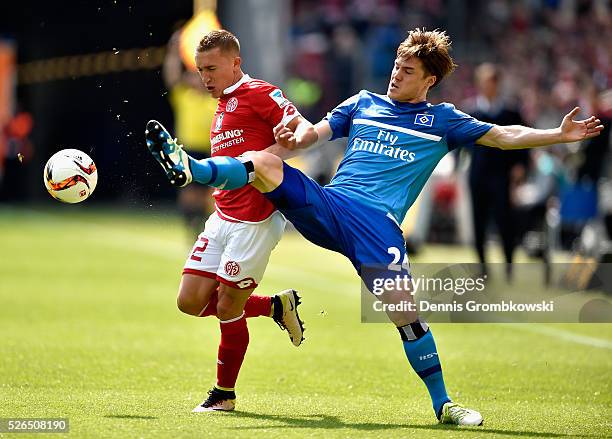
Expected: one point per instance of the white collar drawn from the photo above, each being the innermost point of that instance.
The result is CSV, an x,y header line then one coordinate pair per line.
x,y
232,88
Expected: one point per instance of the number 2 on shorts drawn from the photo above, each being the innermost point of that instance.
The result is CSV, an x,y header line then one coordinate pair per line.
x,y
199,249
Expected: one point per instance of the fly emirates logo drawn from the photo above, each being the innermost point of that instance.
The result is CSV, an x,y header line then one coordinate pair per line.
x,y
384,145
226,139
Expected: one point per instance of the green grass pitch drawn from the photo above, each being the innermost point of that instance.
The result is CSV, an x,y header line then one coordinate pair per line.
x,y
89,331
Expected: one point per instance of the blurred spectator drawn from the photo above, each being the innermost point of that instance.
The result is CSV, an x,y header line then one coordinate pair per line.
x,y
381,43
345,64
16,151
193,110
494,174
596,151
581,200
550,51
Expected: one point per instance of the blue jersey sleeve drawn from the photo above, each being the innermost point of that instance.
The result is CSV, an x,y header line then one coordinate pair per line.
x,y
340,117
463,129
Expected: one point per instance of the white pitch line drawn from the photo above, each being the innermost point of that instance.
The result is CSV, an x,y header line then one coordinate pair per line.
x,y
566,335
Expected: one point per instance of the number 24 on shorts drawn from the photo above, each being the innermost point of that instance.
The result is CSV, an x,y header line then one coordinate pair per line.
x,y
397,254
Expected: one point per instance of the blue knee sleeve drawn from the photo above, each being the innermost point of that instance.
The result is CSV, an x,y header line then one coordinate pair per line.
x,y
222,172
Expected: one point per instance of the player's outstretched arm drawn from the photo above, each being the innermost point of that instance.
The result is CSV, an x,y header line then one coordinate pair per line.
x,y
519,137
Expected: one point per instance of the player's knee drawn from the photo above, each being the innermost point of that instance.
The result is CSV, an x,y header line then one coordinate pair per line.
x,y
185,303
268,170
265,163
228,308
184,306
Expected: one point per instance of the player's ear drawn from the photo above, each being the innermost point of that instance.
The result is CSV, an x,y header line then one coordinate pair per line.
x,y
237,62
431,80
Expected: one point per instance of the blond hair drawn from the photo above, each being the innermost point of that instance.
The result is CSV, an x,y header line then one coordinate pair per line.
x,y
223,39
432,48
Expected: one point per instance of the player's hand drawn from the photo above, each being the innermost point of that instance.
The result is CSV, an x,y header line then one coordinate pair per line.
x,y
574,130
284,136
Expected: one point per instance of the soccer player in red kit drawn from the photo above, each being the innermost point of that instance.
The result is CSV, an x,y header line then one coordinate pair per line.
x,y
230,256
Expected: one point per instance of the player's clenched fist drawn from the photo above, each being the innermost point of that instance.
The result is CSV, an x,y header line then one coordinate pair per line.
x,y
284,136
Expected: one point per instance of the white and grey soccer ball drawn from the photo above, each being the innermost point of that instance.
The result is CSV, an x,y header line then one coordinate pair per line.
x,y
70,176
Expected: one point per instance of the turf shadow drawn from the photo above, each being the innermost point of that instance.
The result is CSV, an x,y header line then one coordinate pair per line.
x,y
334,422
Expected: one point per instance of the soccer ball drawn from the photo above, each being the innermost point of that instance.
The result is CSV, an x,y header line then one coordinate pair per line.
x,y
70,176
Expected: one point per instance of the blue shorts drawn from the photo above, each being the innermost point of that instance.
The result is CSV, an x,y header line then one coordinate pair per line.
x,y
336,222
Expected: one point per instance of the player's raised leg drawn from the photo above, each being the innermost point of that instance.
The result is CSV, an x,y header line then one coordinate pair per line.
x,y
198,296
263,169
222,172
169,154
285,314
420,348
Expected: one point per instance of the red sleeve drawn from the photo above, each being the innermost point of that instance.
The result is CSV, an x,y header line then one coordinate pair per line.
x,y
272,105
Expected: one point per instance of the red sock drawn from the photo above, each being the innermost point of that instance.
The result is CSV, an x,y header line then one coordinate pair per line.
x,y
233,346
258,306
255,306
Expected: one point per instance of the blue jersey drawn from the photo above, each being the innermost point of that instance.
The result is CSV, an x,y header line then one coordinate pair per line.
x,y
392,150
393,147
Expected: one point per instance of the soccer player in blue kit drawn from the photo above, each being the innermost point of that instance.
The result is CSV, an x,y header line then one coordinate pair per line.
x,y
394,143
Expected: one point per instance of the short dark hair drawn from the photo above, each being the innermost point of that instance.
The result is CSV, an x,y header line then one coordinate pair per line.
x,y
432,48
223,39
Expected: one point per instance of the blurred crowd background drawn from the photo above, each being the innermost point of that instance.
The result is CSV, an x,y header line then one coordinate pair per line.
x,y
90,74
554,54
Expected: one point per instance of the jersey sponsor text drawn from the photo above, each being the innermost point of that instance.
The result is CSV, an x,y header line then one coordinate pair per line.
x,y
379,147
233,137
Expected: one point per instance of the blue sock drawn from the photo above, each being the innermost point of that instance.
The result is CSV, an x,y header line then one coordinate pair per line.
x,y
222,172
422,354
